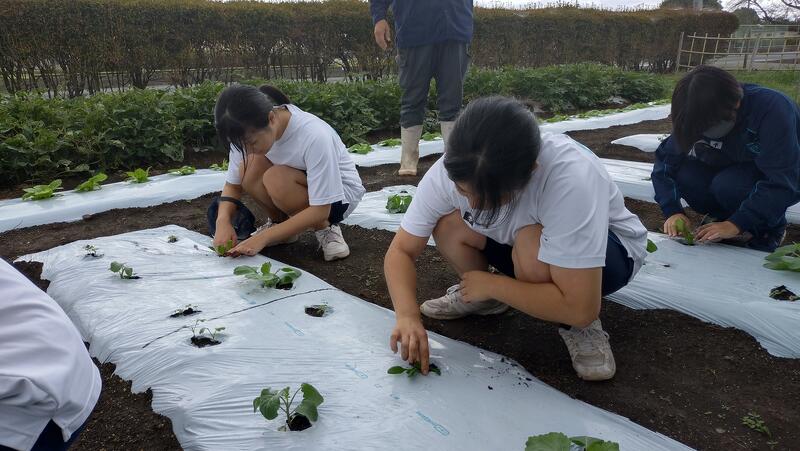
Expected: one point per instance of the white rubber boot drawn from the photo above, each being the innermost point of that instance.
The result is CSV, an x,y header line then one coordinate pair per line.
x,y
409,138
447,129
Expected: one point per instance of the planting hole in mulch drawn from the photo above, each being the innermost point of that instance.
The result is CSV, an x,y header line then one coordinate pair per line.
x,y
782,293
318,310
202,342
185,312
298,423
284,286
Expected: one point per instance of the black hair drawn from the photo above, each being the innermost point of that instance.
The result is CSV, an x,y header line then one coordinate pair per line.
x,y
244,108
703,98
493,149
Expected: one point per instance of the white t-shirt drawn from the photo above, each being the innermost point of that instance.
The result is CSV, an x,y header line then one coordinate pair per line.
x,y
310,144
45,372
570,194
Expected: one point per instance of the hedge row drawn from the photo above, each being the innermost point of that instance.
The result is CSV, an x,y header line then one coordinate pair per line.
x,y
42,138
88,45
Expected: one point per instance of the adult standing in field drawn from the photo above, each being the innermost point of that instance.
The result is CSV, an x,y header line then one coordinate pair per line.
x,y
541,210
48,383
433,39
734,155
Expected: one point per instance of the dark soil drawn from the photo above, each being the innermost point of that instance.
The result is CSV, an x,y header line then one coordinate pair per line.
x,y
782,293
317,311
677,375
600,140
298,423
186,312
202,342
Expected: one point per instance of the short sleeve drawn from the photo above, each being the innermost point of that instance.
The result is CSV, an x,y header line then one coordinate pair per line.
x,y
234,176
432,201
324,177
574,213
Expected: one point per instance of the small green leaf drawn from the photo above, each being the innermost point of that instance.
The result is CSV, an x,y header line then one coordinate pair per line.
x,y
308,410
311,394
361,149
270,408
266,267
391,142
244,270
651,246
554,441
115,266
396,370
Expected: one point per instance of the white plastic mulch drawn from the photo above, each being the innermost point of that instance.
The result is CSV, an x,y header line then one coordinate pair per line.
x,y
644,142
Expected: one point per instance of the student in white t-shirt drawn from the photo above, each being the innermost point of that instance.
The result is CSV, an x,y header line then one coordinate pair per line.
x,y
292,163
48,383
542,210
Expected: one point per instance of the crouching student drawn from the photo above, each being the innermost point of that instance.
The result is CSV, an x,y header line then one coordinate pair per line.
x,y
542,210
292,163
48,383
734,155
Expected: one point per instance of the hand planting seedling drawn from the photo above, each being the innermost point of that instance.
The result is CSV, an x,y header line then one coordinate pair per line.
x,y
414,370
91,251
220,167
391,142
282,279
687,234
785,258
318,310
297,419
398,203
92,184
183,170
139,175
223,248
361,148
556,441
204,336
40,192
651,246
431,136
172,239
782,293
124,271
188,309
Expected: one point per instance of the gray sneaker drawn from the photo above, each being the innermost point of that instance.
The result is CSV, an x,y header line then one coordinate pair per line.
x,y
332,243
451,306
590,351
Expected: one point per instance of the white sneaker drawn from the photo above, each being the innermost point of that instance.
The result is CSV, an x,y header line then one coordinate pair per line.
x,y
292,239
590,351
332,243
451,306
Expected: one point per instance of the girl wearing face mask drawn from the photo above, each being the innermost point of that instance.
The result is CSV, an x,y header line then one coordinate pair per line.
x,y
542,210
292,163
734,155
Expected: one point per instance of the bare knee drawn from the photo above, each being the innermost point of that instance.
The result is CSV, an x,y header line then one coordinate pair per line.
x,y
525,256
451,229
278,181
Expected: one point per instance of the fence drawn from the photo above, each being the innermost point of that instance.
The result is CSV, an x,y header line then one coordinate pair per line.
x,y
754,49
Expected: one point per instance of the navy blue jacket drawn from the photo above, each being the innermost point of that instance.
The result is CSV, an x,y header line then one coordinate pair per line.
x,y
423,22
767,133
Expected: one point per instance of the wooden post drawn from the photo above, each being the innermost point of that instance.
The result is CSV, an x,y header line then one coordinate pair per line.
x,y
755,52
678,60
703,53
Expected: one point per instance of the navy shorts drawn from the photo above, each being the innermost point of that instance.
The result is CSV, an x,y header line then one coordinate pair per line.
x,y
616,273
338,209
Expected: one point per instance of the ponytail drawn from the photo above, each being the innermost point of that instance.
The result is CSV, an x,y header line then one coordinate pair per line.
x,y
275,94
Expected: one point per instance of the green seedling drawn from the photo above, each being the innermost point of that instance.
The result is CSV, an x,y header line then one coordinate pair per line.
x,y
188,309
282,279
172,239
204,336
391,142
683,229
92,184
92,251
361,148
40,192
124,271
183,170
398,203
651,246
220,167
223,248
556,441
414,370
782,293
785,258
431,136
269,403
754,422
139,175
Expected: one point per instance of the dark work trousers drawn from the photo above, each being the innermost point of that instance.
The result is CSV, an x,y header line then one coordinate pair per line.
x,y
720,191
446,62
